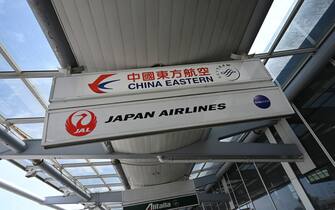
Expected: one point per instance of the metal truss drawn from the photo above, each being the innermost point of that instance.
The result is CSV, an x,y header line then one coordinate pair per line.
x,y
198,152
210,150
116,197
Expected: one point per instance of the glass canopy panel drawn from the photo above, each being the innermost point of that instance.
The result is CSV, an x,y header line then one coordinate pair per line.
x,y
309,26
292,67
206,173
105,169
65,161
274,21
228,139
210,165
112,180
23,37
198,166
90,181
17,101
34,130
193,176
276,65
283,68
43,86
99,189
4,66
81,171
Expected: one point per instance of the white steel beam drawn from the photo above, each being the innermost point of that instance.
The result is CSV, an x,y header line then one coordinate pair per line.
x,y
200,151
31,74
26,120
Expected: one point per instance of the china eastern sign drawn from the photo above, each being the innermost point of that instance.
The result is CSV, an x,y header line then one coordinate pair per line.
x,y
127,82
121,120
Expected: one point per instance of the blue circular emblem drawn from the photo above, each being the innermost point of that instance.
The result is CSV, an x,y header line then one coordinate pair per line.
x,y
262,102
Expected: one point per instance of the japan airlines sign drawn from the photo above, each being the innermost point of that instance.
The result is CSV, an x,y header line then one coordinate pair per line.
x,y
149,80
121,120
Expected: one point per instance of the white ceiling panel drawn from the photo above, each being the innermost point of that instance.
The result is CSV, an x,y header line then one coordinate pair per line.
x,y
140,175
160,142
144,173
122,34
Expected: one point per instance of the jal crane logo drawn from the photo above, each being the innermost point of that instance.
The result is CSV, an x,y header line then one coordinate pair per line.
x,y
81,123
99,85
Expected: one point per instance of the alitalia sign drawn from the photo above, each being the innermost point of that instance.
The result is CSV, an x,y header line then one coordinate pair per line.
x,y
173,203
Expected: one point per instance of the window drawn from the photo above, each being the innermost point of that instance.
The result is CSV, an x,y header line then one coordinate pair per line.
x,y
237,186
310,24
255,187
279,186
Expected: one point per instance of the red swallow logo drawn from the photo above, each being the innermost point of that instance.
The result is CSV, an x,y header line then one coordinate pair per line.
x,y
99,86
81,123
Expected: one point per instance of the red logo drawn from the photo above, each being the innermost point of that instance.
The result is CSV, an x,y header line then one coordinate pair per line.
x,y
100,86
81,123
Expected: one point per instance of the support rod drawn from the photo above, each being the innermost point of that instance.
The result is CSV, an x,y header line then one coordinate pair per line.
x,y
54,173
117,165
251,137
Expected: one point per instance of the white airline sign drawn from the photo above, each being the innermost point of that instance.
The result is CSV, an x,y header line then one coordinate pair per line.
x,y
122,120
150,80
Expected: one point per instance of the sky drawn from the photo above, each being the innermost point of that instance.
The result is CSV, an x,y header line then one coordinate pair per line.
x,y
15,176
21,35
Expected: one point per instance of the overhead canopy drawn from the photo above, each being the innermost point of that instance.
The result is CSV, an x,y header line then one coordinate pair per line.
x,y
131,34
